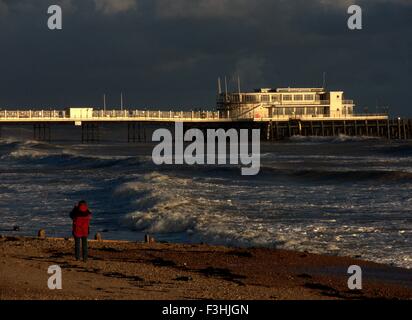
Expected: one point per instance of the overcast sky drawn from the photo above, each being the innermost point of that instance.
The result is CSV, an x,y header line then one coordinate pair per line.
x,y
168,53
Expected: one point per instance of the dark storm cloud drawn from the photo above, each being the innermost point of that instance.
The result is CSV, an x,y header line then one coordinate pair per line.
x,y
169,53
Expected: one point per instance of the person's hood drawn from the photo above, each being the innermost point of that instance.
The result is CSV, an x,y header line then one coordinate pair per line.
x,y
83,207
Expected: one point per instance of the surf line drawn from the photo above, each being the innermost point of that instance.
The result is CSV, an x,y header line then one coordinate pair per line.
x,y
172,151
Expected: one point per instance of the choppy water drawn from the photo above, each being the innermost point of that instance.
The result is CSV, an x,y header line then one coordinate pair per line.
x,y
346,196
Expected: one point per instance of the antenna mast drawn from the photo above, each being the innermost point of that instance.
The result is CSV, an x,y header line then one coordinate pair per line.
x,y
121,101
324,80
219,85
104,102
225,87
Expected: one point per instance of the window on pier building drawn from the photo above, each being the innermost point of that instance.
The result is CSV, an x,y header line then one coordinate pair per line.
x,y
235,98
277,111
298,97
323,110
300,111
265,98
287,97
280,111
311,111
309,97
289,111
250,98
275,98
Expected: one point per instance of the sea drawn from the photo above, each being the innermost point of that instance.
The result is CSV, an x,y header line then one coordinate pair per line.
x,y
347,196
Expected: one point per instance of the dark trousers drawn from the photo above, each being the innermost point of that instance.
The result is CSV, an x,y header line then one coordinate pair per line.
x,y
83,241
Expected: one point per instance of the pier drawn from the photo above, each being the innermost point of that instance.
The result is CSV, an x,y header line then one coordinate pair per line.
x,y
389,129
138,122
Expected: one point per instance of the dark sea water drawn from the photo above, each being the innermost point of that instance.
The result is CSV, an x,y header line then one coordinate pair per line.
x,y
344,196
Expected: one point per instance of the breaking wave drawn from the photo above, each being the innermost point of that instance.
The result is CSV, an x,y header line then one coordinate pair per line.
x,y
333,175
38,153
33,152
162,207
333,139
343,196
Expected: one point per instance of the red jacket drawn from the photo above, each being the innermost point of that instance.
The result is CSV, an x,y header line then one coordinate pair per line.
x,y
81,222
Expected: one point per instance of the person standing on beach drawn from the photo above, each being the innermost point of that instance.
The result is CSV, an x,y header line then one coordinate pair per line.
x,y
81,217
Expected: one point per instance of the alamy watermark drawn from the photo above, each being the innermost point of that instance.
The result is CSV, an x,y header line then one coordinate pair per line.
x,y
355,280
55,21
55,280
355,20
212,149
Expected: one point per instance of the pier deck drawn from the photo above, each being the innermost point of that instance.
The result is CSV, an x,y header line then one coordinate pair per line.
x,y
272,129
56,116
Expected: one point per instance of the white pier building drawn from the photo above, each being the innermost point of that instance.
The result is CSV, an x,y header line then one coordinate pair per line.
x,y
289,103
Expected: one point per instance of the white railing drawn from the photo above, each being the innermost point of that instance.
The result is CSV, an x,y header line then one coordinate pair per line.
x,y
150,115
108,114
306,117
156,114
223,101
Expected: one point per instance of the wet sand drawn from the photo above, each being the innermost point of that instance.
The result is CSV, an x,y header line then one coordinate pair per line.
x,y
130,270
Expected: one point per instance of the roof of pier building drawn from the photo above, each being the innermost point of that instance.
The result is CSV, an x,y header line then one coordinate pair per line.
x,y
289,90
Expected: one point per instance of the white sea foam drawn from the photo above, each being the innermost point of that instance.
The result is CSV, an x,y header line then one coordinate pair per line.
x,y
163,207
29,153
332,139
346,216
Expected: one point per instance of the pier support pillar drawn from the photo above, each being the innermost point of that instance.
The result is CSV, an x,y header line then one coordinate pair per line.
x,y
410,129
289,129
378,129
388,128
136,132
90,132
132,135
139,138
42,132
269,132
144,133
405,134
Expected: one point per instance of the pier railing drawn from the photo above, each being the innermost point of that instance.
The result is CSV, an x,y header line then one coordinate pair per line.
x,y
109,114
151,115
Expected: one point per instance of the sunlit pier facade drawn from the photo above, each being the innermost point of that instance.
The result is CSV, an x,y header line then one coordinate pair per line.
x,y
289,103
86,114
279,113
281,104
